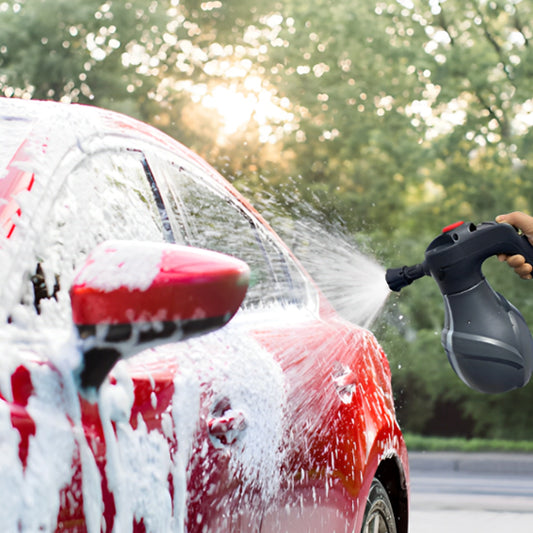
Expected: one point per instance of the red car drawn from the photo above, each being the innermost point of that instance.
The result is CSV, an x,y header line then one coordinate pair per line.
x,y
167,364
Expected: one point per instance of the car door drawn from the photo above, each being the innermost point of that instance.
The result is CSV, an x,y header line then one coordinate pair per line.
x,y
242,394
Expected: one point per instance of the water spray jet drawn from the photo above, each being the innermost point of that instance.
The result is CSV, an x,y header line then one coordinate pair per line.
x,y
485,337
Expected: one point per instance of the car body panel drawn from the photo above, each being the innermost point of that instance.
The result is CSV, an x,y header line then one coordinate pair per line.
x,y
276,422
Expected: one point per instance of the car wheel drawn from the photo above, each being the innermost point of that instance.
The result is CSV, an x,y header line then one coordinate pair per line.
x,y
379,515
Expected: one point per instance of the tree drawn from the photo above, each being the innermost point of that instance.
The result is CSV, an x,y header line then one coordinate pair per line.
x,y
390,118
89,52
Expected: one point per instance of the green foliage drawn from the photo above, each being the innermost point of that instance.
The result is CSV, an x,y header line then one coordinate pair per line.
x,y
76,51
393,118
457,444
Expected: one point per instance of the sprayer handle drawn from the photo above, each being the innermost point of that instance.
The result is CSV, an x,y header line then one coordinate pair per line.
x,y
455,257
524,248
509,241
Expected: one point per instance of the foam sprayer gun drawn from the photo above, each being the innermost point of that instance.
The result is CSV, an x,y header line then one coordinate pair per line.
x,y
486,339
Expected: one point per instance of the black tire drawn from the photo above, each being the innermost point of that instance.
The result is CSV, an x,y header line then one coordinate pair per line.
x,y
379,515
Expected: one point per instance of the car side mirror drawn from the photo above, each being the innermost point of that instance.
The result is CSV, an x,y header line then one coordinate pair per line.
x,y
131,295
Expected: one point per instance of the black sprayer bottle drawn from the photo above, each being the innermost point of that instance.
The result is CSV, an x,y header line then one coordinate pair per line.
x,y
486,339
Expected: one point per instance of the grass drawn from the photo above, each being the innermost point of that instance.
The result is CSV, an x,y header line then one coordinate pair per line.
x,y
458,444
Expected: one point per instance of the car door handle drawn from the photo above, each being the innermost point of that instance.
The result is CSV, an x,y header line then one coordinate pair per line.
x,y
345,381
225,429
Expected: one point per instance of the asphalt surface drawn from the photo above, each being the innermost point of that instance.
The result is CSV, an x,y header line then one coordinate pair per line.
x,y
474,463
470,492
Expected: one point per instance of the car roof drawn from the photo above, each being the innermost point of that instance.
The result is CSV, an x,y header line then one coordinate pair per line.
x,y
51,128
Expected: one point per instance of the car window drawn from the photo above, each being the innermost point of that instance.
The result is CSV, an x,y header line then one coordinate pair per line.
x,y
210,217
106,196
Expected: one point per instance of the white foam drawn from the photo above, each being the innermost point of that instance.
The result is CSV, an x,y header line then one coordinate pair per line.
x,y
116,264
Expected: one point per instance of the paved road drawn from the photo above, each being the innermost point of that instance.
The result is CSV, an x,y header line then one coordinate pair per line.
x,y
471,493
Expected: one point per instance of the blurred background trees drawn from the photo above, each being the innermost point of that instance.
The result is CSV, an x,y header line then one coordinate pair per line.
x,y
389,118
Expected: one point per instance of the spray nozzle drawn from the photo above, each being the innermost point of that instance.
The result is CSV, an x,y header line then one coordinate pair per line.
x,y
398,278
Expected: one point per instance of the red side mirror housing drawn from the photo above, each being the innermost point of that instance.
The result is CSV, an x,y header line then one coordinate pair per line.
x,y
130,295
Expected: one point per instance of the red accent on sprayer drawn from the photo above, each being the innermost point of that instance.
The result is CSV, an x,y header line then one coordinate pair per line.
x,y
452,226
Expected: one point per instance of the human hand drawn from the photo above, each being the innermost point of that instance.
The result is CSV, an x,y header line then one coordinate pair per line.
x,y
525,224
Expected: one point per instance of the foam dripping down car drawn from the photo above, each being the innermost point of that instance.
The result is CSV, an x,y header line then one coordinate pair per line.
x,y
167,364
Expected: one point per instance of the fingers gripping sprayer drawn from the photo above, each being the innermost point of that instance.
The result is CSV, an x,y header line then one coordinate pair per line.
x,y
485,337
